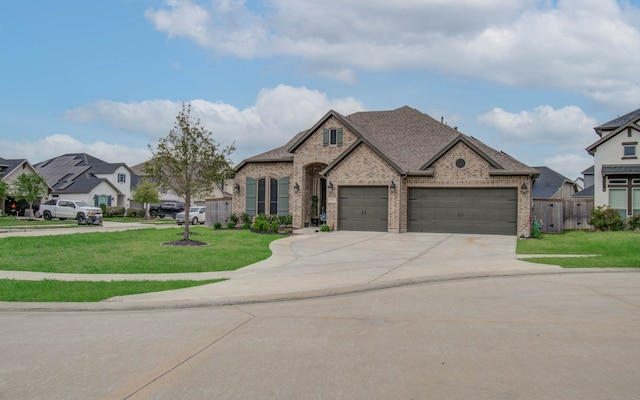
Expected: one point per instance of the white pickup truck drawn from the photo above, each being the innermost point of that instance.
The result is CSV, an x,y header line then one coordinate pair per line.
x,y
73,209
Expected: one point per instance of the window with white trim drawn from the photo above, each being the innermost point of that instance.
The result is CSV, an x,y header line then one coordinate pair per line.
x,y
122,178
618,201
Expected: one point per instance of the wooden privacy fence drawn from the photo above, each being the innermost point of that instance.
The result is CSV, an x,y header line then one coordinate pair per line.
x,y
558,215
218,210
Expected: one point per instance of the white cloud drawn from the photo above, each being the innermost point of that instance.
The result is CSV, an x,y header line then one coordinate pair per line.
x,y
279,113
567,127
569,165
561,133
58,144
586,46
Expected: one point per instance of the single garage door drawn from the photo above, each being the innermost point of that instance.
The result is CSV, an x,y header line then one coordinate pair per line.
x,y
457,210
363,208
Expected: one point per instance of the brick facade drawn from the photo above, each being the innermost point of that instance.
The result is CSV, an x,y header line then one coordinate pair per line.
x,y
365,167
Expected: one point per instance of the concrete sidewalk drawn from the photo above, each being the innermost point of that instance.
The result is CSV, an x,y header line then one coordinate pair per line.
x,y
314,264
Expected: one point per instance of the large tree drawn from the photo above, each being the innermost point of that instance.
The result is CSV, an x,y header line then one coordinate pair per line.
x,y
145,193
29,187
189,160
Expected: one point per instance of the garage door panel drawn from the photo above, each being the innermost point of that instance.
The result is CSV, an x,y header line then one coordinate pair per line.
x,y
462,210
363,208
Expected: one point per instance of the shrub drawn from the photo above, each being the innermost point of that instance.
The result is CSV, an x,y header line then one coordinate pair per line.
x,y
246,225
217,225
285,220
234,218
634,223
103,207
266,224
325,228
231,225
604,218
114,212
245,218
135,212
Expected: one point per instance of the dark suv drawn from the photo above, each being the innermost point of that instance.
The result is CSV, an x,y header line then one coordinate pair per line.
x,y
166,208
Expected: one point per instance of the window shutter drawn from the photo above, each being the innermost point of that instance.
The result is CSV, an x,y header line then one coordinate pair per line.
x,y
109,201
95,201
325,137
283,196
339,137
250,196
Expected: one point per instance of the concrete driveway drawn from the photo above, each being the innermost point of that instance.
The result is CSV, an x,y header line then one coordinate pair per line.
x,y
316,264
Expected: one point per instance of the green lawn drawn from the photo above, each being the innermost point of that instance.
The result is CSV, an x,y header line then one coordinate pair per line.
x,y
61,291
614,249
134,252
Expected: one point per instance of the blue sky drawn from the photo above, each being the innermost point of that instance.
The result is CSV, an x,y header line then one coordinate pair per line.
x,y
528,77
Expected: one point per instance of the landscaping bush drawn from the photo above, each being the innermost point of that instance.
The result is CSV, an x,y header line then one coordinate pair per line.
x,y
234,218
246,225
103,207
325,228
604,218
266,224
231,225
285,220
245,218
634,223
217,225
114,212
135,212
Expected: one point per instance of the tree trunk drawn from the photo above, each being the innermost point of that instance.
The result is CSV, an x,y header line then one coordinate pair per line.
x,y
187,222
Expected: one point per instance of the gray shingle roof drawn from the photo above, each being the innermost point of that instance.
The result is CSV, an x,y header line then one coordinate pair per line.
x,y
406,137
618,122
548,183
584,193
7,166
72,173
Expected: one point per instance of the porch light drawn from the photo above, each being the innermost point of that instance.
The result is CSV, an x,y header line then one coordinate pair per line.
x,y
393,187
330,187
237,188
524,189
296,187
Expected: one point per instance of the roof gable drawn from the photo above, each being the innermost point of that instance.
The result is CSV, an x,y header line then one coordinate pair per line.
x,y
618,122
406,138
460,139
633,124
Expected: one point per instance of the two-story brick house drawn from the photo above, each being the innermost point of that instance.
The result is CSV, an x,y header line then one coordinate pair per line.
x,y
395,171
616,169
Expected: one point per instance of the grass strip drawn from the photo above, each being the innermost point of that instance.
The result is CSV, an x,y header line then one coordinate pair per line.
x,y
81,291
613,249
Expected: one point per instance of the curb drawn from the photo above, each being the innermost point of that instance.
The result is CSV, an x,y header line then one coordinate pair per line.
x,y
114,305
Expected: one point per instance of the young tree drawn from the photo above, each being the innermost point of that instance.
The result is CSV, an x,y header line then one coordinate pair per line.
x,y
189,160
29,187
145,193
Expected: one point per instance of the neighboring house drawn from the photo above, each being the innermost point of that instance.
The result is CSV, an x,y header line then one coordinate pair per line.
x,y
9,171
588,180
219,190
84,177
552,185
390,171
616,165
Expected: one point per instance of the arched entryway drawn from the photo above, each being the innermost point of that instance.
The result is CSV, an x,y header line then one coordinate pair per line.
x,y
314,197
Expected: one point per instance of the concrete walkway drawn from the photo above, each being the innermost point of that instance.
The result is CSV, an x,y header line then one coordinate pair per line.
x,y
315,264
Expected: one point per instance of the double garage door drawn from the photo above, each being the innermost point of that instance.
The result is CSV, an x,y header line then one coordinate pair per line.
x,y
457,210
442,210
